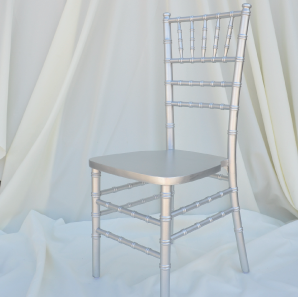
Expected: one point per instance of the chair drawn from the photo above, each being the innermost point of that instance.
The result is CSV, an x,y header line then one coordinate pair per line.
x,y
171,167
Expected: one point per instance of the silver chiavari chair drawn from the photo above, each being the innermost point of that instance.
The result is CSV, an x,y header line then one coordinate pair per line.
x,y
172,167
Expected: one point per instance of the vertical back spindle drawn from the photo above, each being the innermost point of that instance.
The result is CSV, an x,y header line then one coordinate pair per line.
x,y
229,34
204,37
216,36
180,40
192,38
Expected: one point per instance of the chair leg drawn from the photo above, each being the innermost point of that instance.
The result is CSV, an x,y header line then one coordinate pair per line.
x,y
165,241
239,233
172,209
95,223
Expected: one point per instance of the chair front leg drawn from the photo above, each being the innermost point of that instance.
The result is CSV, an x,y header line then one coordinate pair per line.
x,y
95,222
172,209
165,241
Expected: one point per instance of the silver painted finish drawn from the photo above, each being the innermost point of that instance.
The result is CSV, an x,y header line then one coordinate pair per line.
x,y
134,214
165,241
129,243
216,36
220,176
170,144
207,17
197,204
180,40
202,60
199,105
132,204
121,188
192,39
232,133
167,167
203,223
202,83
95,177
229,35
170,167
204,37
170,133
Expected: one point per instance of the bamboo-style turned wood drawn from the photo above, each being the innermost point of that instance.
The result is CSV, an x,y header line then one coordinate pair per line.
x,y
129,243
180,40
199,105
202,60
203,223
128,212
208,17
204,37
229,35
131,204
121,188
197,204
192,38
201,83
216,37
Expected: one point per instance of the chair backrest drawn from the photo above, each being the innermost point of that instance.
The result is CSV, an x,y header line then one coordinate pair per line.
x,y
238,59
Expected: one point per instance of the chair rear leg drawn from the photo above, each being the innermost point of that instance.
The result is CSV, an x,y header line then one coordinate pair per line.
x,y
239,233
165,241
95,223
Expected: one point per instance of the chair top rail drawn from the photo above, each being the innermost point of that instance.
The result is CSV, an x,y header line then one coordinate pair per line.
x,y
202,60
207,17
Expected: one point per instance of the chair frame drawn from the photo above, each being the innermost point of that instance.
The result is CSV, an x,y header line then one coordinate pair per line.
x,y
167,191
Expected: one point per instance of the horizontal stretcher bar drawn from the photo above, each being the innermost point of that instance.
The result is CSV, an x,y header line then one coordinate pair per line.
x,y
203,223
128,212
132,204
201,83
202,60
207,17
220,176
200,105
129,243
187,208
121,188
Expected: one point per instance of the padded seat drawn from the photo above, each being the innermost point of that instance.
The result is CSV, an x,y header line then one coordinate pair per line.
x,y
166,167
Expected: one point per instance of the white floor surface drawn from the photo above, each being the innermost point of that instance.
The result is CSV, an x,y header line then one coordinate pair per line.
x,y
50,258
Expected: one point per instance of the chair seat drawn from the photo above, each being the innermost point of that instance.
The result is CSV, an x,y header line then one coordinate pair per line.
x,y
166,167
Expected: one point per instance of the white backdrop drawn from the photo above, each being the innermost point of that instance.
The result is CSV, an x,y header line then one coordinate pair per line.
x,y
85,78
81,78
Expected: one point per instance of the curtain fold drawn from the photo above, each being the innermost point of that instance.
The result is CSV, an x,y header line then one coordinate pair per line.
x,y
5,32
273,98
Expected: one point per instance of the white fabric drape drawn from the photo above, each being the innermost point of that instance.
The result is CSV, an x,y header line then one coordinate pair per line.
x,y
50,258
5,32
94,86
81,78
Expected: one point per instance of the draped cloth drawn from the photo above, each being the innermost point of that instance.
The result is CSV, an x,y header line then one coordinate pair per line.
x,y
83,78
